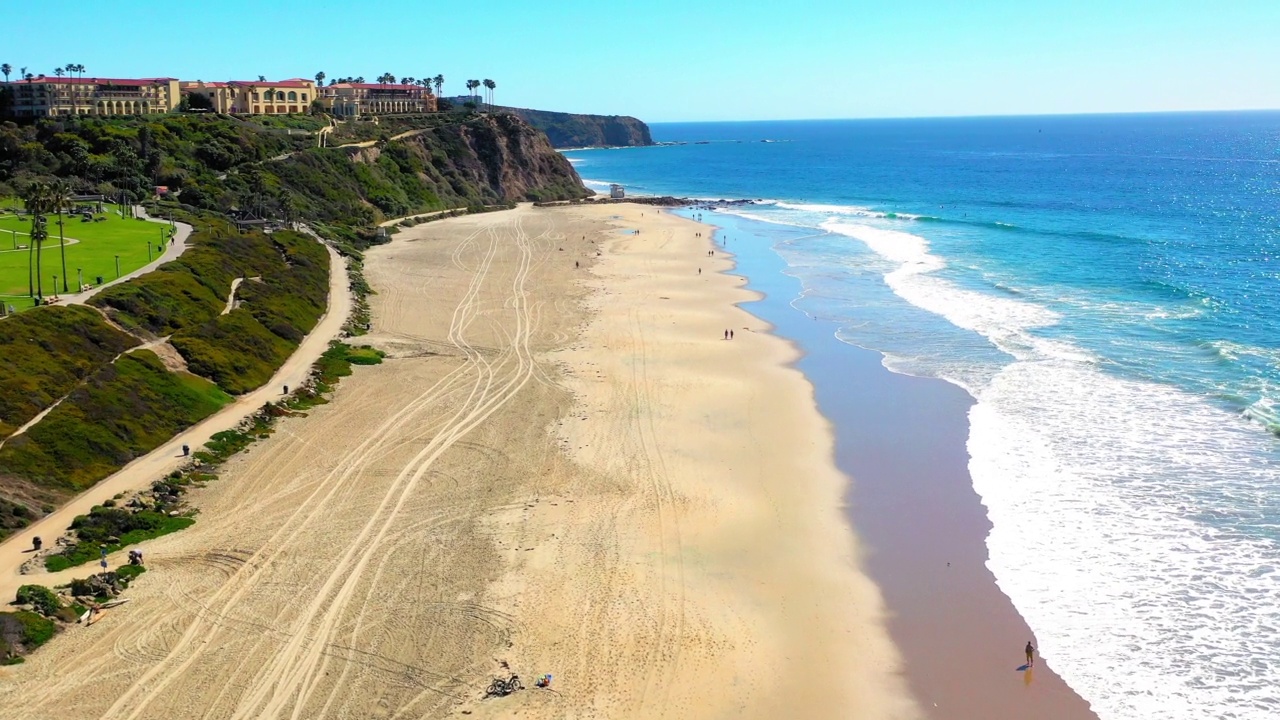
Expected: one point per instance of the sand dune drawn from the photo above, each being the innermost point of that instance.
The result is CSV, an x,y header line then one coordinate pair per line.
x,y
557,470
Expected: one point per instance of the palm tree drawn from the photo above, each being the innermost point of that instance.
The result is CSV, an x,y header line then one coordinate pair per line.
x,y
60,199
75,91
406,81
471,88
359,80
439,83
262,78
59,72
6,69
36,198
490,86
320,79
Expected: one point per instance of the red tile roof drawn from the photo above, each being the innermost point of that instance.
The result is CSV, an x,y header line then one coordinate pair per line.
x,y
94,81
377,86
295,83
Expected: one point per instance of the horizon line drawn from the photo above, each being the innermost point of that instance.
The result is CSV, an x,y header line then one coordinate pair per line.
x,y
1109,113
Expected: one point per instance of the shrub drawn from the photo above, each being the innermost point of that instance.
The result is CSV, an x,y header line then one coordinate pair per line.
x,y
24,631
46,602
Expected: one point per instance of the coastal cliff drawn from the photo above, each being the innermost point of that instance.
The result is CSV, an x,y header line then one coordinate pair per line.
x,y
476,161
568,130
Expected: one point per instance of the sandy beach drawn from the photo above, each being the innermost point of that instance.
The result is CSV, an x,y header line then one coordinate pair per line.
x,y
562,467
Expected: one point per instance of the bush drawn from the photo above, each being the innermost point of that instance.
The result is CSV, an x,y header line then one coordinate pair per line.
x,y
46,602
113,529
22,632
129,572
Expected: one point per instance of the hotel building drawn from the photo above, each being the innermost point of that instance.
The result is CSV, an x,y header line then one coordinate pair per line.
x,y
350,100
256,97
48,96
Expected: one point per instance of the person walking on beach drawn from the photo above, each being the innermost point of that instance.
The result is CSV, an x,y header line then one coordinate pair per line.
x,y
1031,654
730,334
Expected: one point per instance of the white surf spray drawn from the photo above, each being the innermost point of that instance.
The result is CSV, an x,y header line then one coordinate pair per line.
x,y
1114,504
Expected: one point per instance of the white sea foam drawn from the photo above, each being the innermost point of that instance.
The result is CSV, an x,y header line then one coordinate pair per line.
x,y
1116,505
597,185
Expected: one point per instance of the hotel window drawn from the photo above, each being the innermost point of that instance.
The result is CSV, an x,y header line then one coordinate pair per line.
x,y
293,96
304,97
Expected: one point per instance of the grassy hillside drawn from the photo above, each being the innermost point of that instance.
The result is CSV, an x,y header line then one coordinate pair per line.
x,y
123,411
45,353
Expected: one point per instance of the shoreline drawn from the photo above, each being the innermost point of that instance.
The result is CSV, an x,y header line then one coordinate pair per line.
x,y
901,439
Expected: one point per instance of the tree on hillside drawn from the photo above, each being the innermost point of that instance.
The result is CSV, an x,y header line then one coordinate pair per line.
x,y
439,83
320,79
289,210
6,69
60,199
471,88
490,86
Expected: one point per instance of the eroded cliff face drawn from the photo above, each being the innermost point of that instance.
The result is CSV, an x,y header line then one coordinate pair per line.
x,y
482,160
567,130
512,159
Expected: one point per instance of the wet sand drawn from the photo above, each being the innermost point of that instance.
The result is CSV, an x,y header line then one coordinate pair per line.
x,y
902,440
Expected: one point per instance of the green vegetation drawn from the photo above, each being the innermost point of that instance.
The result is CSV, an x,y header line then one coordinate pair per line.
x,y
46,353
13,516
124,410
185,299
44,600
128,573
113,529
21,632
91,248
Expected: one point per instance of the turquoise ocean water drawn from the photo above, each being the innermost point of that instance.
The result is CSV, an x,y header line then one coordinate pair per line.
x,y
1108,290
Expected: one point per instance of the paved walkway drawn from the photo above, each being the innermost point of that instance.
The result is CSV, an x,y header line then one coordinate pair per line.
x,y
143,471
175,248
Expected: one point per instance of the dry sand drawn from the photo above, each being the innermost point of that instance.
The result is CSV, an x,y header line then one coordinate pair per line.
x,y
557,470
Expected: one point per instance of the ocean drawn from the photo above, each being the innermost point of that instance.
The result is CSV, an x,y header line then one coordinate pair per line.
x,y
1107,288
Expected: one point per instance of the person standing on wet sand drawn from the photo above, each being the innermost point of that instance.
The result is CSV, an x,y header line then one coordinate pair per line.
x,y
1031,654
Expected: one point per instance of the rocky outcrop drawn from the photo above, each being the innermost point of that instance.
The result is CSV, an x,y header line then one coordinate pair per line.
x,y
509,158
568,130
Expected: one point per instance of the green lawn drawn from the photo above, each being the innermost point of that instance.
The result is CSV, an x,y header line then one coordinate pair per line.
x,y
94,253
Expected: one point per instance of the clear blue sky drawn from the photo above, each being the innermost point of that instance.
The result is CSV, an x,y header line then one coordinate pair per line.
x,y
664,60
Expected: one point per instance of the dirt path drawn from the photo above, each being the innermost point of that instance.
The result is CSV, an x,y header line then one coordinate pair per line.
x,y
231,296
143,471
